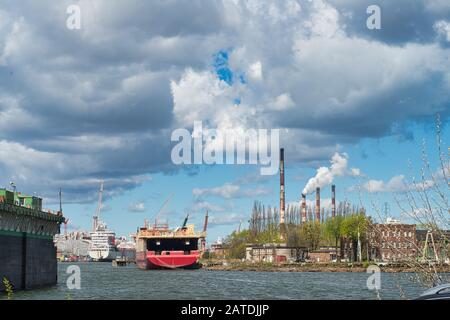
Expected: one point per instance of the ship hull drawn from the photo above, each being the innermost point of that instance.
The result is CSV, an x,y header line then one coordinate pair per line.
x,y
27,261
102,255
173,260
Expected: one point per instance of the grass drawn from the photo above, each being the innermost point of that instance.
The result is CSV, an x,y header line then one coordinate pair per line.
x,y
8,288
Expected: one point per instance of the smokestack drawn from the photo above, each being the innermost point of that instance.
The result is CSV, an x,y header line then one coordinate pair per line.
x,y
317,204
303,209
333,200
282,201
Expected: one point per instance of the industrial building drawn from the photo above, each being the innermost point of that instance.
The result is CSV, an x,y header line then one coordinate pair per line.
x,y
273,252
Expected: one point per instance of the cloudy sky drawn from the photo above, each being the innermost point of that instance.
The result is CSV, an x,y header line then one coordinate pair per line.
x,y
100,103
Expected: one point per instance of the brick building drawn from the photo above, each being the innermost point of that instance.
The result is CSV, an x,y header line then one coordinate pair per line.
x,y
218,249
392,241
322,255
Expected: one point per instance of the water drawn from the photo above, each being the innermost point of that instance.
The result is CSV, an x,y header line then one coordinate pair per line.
x,y
102,281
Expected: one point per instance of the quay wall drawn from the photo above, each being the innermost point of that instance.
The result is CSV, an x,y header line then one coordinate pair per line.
x,y
27,261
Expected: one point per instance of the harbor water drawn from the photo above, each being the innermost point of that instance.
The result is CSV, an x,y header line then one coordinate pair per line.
x,y
103,281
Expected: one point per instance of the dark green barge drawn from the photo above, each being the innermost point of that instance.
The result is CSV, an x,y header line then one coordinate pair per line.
x,y
27,251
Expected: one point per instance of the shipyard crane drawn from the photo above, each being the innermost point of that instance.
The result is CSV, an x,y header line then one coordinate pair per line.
x,y
99,206
66,222
203,239
238,230
205,224
169,198
60,200
185,221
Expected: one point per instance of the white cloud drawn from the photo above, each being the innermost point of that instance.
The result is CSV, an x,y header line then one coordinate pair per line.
x,y
229,191
395,184
324,20
226,219
356,172
205,205
137,207
282,102
374,186
255,71
226,191
442,27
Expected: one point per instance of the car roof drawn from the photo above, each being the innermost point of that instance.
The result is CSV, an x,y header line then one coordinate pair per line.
x,y
436,290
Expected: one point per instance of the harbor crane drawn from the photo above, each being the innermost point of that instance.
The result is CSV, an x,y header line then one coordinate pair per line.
x,y
66,222
99,207
163,207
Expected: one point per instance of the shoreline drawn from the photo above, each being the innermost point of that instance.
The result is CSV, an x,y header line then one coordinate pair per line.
x,y
315,267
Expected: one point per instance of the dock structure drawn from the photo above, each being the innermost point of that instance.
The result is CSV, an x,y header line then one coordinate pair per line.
x,y
28,253
121,262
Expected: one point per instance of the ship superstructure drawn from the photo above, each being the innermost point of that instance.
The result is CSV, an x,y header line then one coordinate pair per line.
x,y
102,246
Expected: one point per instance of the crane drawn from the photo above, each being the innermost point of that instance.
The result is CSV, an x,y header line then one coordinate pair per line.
x,y
203,239
163,207
239,227
66,222
185,221
99,206
205,224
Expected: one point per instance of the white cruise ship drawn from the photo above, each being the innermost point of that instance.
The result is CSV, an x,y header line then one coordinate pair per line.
x,y
102,246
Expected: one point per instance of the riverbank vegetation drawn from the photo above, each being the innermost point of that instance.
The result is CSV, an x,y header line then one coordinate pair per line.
x,y
346,233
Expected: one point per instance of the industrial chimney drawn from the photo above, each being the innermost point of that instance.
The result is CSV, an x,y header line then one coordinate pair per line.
x,y
282,201
333,200
317,204
303,208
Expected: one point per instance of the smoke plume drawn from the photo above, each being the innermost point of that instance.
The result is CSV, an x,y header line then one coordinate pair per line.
x,y
326,175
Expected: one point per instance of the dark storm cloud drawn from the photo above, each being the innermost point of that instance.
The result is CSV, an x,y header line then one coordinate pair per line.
x,y
96,102
77,106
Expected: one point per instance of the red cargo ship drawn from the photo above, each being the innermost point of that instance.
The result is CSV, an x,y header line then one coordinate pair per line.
x,y
158,247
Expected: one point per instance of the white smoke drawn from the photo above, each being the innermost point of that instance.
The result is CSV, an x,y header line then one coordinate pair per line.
x,y
326,175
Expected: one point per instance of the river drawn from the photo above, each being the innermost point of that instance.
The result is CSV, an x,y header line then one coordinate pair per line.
x,y
102,281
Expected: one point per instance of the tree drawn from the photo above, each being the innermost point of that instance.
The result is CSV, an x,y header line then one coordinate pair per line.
x,y
235,244
353,226
333,229
311,232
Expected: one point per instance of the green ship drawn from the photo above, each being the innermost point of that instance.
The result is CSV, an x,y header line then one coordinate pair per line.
x,y
27,251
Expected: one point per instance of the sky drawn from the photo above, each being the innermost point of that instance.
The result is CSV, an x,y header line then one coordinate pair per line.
x,y
99,103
